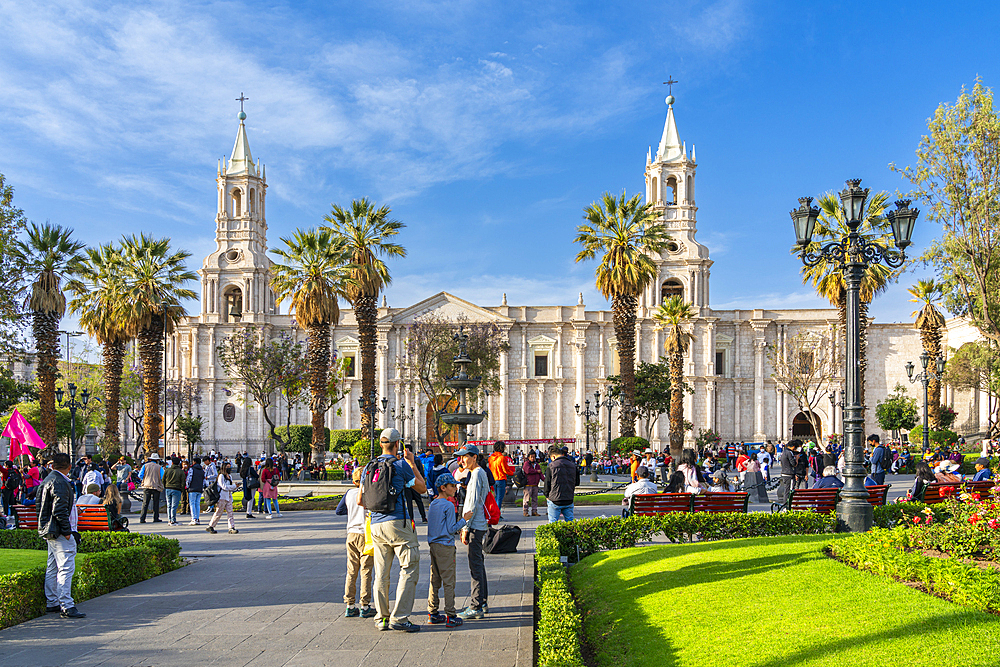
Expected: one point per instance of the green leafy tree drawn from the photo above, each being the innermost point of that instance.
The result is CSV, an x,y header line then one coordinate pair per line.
x,y
313,276
365,231
155,277
14,391
670,318
12,271
898,412
957,176
190,428
975,366
652,391
48,251
707,438
627,235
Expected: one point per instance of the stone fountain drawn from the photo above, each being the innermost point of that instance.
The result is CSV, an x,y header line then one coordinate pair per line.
x,y
462,383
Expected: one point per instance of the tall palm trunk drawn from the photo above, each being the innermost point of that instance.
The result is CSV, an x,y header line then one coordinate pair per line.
x,y
676,405
45,327
150,342
930,337
623,318
114,363
318,361
366,313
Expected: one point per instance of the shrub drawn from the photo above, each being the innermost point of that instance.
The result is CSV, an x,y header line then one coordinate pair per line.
x,y
890,553
361,451
300,438
944,437
21,539
625,445
342,440
22,595
559,624
901,514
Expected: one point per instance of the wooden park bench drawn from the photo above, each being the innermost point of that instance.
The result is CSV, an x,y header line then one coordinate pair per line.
x,y
292,495
719,501
97,518
822,501
938,492
27,516
877,494
652,504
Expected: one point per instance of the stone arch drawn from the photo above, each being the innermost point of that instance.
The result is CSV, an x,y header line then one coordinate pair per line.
x,y
803,428
232,300
237,197
670,190
671,287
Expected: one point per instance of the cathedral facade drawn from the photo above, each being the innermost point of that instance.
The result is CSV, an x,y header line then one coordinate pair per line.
x,y
559,355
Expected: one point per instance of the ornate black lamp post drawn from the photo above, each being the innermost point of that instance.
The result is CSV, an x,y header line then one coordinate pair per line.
x,y
402,417
853,253
73,406
369,406
587,413
834,404
925,378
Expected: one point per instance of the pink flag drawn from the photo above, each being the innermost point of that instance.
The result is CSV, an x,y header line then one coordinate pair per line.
x,y
17,449
18,429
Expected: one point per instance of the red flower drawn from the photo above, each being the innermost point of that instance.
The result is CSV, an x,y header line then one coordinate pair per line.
x,y
947,490
974,519
916,520
976,496
994,524
929,519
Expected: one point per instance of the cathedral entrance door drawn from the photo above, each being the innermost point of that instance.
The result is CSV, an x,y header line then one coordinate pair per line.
x,y
802,428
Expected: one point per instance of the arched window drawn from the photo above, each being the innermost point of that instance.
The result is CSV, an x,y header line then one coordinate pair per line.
x,y
234,305
654,190
670,190
802,425
250,201
672,287
690,190
237,203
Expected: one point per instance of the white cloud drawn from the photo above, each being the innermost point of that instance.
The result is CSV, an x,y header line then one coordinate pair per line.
x,y
488,290
774,301
716,27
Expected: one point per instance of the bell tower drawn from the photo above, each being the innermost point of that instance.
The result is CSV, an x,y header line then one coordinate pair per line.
x,y
235,278
670,187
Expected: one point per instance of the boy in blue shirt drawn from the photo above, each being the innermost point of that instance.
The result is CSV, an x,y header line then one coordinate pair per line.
x,y
442,525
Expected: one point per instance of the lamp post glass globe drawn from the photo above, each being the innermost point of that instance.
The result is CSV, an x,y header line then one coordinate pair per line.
x,y
804,221
853,198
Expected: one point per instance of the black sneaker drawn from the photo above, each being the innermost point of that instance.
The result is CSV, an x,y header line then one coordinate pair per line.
x,y
436,618
405,626
453,622
368,612
73,612
210,530
251,516
382,624
53,609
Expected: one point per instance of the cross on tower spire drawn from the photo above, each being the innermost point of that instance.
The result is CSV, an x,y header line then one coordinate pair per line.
x,y
241,99
669,82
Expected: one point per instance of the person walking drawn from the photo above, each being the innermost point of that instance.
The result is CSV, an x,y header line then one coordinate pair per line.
x,y
251,482
225,502
501,467
881,459
173,484
561,479
11,487
533,472
393,531
357,560
57,524
151,476
477,488
195,486
441,530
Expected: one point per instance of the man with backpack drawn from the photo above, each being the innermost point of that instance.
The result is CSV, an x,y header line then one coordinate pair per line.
x,y
393,531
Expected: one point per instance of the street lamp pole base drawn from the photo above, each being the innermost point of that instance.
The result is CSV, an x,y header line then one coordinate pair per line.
x,y
854,516
593,477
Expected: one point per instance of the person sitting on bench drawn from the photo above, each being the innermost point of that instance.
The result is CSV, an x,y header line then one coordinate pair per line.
x,y
829,479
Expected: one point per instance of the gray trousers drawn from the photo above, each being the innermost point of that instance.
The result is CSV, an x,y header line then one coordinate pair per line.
x,y
59,572
477,569
442,576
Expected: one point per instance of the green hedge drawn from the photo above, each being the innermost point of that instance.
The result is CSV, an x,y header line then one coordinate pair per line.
x,y
343,439
559,623
943,437
888,553
901,514
301,438
116,560
626,445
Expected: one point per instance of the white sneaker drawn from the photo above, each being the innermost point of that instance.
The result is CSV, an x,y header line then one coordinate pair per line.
x,y
267,516
192,523
278,514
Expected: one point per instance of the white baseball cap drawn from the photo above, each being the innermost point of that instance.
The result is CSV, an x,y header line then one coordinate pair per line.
x,y
390,434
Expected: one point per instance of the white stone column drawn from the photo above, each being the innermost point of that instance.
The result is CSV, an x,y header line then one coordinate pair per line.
x,y
503,402
559,409
211,352
524,409
541,410
737,408
710,400
758,382
581,383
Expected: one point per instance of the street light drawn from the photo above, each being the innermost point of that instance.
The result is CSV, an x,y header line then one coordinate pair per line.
x,y
925,377
73,405
369,406
402,417
610,404
587,413
853,253
834,403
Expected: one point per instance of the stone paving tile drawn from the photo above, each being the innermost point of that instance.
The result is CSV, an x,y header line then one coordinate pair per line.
x,y
311,658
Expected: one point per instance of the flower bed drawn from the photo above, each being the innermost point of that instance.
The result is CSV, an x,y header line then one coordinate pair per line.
x,y
116,560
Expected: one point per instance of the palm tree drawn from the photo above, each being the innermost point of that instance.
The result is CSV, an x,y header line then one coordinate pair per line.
x,y
363,231
99,299
626,233
670,317
315,274
49,250
153,294
930,322
827,277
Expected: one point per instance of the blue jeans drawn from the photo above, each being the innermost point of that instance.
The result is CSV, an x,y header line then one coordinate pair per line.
x,y
173,501
555,510
195,500
499,489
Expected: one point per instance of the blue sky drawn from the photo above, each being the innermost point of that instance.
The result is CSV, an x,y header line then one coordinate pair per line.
x,y
486,126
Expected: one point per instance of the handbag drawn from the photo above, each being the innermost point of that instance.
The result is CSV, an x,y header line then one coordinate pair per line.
x,y
253,483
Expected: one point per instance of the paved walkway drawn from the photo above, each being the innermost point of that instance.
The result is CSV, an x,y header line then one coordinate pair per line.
x,y
272,596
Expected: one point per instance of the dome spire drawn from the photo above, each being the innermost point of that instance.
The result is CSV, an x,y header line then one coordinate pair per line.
x,y
670,148
241,161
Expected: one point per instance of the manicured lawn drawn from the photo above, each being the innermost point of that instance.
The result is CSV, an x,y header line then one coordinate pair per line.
x,y
18,560
767,602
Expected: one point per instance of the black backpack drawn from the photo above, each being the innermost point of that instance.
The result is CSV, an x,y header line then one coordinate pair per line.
x,y
377,492
520,478
502,540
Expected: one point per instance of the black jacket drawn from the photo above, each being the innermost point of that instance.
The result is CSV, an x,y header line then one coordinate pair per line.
x,y
55,500
788,462
197,484
561,477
